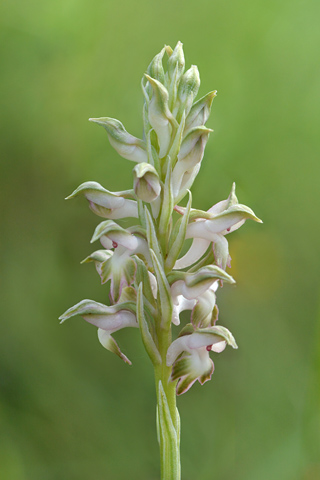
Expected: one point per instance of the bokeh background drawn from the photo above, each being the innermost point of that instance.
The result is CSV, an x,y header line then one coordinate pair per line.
x,y
69,410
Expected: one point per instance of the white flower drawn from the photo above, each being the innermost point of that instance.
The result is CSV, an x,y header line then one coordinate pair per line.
x,y
211,227
189,354
108,319
107,204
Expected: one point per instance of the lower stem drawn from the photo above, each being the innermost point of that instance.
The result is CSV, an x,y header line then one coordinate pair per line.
x,y
168,424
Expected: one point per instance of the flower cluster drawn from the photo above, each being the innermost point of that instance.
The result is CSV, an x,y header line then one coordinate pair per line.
x,y
150,282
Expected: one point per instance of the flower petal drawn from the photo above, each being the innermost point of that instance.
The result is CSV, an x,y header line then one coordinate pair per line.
x,y
108,342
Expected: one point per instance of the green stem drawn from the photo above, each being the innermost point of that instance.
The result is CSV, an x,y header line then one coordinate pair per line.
x,y
168,419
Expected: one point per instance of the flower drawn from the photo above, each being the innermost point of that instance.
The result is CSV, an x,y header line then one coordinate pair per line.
x,y
189,354
196,292
119,267
204,309
211,227
108,319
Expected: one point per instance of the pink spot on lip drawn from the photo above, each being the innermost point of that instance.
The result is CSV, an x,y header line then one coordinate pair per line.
x,y
114,244
228,229
208,347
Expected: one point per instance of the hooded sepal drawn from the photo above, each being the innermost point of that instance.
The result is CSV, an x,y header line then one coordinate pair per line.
x,y
124,143
112,235
111,318
105,203
192,285
146,182
146,336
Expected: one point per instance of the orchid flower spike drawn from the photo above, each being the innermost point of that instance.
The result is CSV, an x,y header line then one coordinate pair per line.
x,y
152,279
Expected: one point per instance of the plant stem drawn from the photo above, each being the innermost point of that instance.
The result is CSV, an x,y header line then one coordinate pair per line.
x,y
168,419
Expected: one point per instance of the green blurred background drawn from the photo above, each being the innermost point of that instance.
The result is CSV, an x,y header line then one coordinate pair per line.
x,y
69,410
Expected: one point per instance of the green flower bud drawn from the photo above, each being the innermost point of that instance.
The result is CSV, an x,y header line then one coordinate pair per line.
x,y
200,111
155,69
176,61
188,90
146,182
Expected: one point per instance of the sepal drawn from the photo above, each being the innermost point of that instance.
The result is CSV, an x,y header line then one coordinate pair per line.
x,y
124,143
105,203
109,343
146,182
110,318
111,234
192,285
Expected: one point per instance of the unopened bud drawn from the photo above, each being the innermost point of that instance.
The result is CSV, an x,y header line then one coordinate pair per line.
x,y
176,61
188,87
146,182
200,111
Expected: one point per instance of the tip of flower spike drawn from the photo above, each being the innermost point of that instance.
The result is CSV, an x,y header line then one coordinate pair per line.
x,y
95,120
169,50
